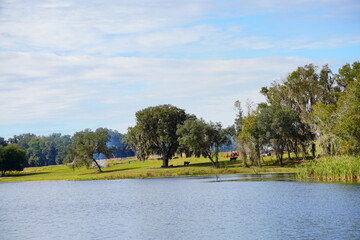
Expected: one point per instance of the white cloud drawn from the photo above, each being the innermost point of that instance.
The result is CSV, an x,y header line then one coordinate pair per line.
x,y
82,25
149,28
46,87
60,59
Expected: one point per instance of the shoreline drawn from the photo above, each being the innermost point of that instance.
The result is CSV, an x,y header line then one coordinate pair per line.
x,y
250,175
199,167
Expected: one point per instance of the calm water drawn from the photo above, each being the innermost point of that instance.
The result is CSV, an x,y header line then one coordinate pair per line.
x,y
229,207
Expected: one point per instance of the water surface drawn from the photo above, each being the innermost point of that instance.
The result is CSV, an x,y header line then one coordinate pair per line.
x,y
225,207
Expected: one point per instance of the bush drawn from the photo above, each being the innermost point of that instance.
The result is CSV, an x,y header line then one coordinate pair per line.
x,y
11,159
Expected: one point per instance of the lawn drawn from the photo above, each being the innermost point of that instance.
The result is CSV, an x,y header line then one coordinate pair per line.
x,y
120,169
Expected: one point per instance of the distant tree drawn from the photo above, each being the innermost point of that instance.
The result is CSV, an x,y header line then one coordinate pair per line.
x,y
35,152
42,150
3,142
50,151
22,142
203,138
85,145
62,143
155,130
11,159
50,148
121,149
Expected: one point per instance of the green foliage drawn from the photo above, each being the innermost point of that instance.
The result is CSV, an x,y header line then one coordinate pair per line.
x,y
325,120
11,159
238,128
348,123
85,144
348,74
250,136
155,131
35,154
22,142
42,150
278,126
239,120
203,138
328,107
121,149
3,142
137,141
55,148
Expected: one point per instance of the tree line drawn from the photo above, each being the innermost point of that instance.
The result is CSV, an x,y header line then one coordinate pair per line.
x,y
311,111
56,149
311,108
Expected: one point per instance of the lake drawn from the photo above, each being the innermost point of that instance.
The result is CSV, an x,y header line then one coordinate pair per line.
x,y
215,207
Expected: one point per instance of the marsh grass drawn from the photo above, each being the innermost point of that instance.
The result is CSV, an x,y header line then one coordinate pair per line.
x,y
331,169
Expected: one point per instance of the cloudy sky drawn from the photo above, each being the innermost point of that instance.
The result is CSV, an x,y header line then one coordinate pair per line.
x,y
75,64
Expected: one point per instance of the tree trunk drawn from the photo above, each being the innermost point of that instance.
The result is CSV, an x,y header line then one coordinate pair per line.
x,y
296,153
98,166
296,150
279,156
288,150
165,162
243,154
244,157
303,152
313,150
215,164
257,148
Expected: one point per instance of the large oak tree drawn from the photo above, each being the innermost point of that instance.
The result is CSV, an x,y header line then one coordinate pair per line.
x,y
155,131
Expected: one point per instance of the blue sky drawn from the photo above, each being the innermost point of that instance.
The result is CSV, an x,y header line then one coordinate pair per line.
x,y
70,65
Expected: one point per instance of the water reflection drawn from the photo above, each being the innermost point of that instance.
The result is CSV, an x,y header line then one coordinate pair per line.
x,y
251,177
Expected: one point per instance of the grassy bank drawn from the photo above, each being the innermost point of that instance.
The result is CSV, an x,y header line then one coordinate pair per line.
x,y
331,169
324,169
120,169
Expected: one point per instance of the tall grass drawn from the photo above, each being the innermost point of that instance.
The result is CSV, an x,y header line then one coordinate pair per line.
x,y
331,169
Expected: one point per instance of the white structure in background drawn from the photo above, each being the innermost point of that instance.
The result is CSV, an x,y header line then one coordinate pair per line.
x,y
102,163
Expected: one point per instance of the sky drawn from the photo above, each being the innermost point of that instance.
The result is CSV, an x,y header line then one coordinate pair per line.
x,y
70,65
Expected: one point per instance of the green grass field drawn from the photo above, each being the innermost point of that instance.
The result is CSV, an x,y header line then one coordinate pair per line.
x,y
120,169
